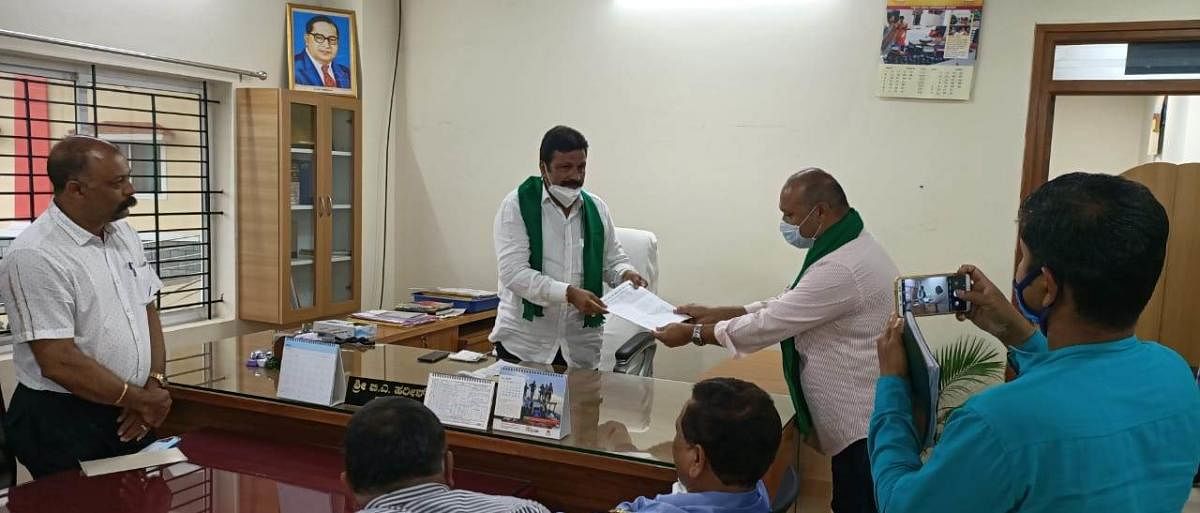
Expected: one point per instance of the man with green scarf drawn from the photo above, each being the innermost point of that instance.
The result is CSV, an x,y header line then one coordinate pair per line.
x,y
825,324
556,247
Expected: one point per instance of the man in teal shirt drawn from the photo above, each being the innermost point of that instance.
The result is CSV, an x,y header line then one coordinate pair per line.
x,y
1096,420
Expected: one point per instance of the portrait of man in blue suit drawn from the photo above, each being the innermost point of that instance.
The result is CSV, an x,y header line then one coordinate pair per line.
x,y
322,50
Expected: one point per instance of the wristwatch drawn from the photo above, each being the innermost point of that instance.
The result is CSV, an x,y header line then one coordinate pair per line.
x,y
160,378
696,338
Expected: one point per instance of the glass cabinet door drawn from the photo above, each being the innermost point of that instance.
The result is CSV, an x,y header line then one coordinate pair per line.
x,y
304,204
341,206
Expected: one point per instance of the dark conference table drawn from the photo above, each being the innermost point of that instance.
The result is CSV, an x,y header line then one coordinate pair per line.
x,y
619,447
225,472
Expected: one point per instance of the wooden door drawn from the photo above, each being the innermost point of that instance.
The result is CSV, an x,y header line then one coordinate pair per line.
x,y
1172,317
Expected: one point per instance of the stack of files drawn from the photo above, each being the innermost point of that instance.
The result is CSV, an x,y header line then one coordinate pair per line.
x,y
404,319
429,307
455,293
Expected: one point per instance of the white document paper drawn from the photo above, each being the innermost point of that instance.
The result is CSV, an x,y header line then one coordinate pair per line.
x,y
490,372
640,306
467,356
460,400
311,372
137,460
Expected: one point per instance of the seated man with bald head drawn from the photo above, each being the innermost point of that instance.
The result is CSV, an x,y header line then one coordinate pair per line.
x,y
826,323
87,343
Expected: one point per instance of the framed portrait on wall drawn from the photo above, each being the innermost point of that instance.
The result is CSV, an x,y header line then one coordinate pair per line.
x,y
322,50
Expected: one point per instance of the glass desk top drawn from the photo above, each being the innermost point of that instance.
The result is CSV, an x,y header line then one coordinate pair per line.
x,y
617,415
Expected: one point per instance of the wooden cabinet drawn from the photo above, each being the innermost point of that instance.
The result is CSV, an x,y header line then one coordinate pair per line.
x,y
299,158
468,331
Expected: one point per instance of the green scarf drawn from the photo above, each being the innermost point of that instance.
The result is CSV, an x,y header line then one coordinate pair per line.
x,y
845,230
529,197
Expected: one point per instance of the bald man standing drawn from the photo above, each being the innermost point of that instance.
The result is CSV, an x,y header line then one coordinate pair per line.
x,y
87,342
826,324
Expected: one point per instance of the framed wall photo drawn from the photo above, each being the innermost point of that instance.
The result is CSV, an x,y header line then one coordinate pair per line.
x,y
322,50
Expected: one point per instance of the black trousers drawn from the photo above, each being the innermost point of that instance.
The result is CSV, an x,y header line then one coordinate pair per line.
x,y
503,354
853,488
50,432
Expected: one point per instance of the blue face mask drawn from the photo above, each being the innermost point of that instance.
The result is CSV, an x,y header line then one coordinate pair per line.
x,y
791,232
1040,317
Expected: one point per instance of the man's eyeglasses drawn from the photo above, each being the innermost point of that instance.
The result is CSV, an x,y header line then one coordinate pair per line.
x,y
320,39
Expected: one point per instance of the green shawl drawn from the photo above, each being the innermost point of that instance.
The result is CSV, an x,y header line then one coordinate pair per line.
x,y
529,197
845,230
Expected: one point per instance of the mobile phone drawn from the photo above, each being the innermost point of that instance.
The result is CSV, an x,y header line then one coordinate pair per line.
x,y
433,356
931,294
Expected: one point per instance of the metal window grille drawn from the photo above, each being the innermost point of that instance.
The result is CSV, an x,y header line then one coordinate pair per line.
x,y
164,133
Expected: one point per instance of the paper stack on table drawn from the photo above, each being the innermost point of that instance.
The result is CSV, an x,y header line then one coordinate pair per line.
x,y
133,461
640,306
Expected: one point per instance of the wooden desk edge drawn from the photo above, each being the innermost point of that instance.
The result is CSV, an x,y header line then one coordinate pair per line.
x,y
466,439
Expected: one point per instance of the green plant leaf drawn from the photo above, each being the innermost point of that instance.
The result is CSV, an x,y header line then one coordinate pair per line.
x,y
966,364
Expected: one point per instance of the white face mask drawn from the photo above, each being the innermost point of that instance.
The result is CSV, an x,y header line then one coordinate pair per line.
x,y
564,195
678,487
791,232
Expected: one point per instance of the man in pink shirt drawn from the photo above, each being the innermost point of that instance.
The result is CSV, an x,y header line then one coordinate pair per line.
x,y
826,324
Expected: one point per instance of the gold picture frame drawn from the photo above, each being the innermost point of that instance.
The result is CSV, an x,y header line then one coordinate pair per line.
x,y
322,45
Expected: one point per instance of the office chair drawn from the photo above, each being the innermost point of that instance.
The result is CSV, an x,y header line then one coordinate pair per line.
x,y
789,490
627,348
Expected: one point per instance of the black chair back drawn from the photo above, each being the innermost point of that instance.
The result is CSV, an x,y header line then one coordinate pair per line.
x,y
789,490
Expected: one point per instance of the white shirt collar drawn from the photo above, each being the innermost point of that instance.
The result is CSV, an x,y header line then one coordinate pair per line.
x,y
80,235
317,64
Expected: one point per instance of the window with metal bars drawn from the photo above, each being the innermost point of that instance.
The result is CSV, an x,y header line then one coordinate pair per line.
x,y
160,125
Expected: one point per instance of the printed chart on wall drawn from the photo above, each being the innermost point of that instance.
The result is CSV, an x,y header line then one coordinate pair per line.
x,y
929,48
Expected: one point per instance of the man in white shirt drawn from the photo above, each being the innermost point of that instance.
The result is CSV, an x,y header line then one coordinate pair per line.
x,y
87,342
827,321
555,248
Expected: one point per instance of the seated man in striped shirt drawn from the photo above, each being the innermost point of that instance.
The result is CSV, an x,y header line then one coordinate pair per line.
x,y
397,461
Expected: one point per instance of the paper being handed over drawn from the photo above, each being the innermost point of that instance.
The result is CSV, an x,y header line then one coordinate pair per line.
x,y
640,306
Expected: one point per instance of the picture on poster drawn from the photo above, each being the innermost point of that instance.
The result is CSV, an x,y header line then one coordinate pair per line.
x,y
929,51
322,50
541,403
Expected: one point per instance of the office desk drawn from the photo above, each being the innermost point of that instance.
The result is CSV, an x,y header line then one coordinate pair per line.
x,y
620,446
224,472
467,331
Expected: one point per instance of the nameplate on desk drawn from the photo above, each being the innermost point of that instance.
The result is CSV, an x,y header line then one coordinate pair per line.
x,y
311,372
360,391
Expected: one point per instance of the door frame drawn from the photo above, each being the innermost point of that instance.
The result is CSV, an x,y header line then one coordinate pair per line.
x,y
1043,89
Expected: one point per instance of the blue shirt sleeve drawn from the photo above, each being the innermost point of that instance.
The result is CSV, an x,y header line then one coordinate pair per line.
x,y
968,470
1020,357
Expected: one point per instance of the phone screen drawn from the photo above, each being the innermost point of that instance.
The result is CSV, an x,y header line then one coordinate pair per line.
x,y
932,295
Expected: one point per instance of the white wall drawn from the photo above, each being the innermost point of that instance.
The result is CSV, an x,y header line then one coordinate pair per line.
x,y
1100,134
696,115
1182,142
238,33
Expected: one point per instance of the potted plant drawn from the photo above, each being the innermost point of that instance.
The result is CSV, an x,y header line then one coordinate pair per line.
x,y
967,365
